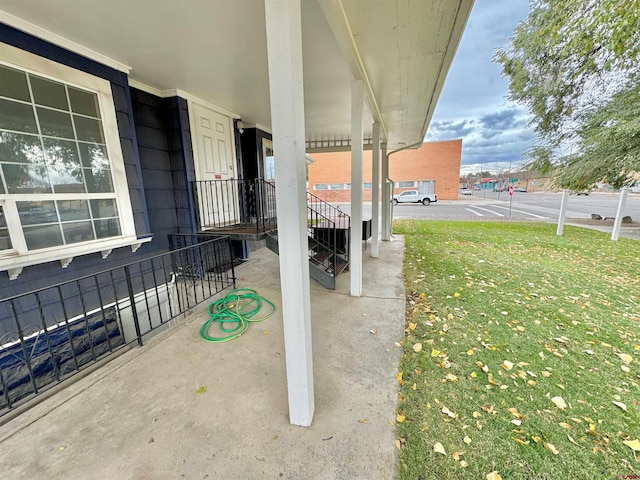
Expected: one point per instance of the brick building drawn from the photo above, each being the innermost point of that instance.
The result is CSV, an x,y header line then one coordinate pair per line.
x,y
330,174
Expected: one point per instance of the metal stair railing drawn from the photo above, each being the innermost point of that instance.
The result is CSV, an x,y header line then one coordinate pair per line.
x,y
222,204
329,230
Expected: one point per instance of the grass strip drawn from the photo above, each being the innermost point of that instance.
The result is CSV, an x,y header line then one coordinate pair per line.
x,y
521,353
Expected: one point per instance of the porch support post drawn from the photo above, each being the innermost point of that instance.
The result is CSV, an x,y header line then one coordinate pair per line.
x,y
355,255
386,195
284,47
375,190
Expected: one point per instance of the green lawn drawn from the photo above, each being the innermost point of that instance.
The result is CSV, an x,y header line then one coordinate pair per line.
x,y
521,353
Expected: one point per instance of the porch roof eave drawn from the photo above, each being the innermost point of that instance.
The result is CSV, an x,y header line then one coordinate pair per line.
x,y
401,50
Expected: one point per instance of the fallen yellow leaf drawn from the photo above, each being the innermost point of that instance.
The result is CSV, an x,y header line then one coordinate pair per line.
x,y
507,365
571,439
466,440
438,448
400,418
417,347
397,444
625,357
514,412
448,412
565,425
435,353
521,442
620,405
633,445
412,326
457,294
493,476
551,448
451,377
559,402
470,352
414,386
463,464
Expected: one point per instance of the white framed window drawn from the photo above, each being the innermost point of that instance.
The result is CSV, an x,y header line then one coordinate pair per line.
x,y
406,184
63,187
321,186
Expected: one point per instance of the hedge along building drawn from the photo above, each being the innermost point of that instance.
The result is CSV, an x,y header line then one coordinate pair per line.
x,y
115,110
330,173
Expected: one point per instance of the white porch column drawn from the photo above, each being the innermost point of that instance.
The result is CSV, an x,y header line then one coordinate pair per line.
x,y
386,194
284,47
355,255
375,190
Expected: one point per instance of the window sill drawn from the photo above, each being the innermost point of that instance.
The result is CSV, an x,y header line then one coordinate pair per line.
x,y
14,264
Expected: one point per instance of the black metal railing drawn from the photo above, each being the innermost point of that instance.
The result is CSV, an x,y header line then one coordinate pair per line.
x,y
329,233
227,203
50,334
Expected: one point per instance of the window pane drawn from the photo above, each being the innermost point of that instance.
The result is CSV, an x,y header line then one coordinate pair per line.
x,y
5,240
64,166
83,102
74,209
32,213
26,178
98,180
48,93
55,124
15,147
93,155
104,208
13,84
17,116
42,236
88,129
107,228
77,232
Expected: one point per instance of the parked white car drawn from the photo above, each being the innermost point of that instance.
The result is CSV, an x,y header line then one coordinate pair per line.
x,y
413,196
466,191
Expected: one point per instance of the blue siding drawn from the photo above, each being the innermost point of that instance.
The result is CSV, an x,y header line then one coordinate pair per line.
x,y
150,119
182,163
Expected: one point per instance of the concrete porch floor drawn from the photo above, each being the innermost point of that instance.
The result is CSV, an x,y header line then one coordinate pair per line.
x,y
140,416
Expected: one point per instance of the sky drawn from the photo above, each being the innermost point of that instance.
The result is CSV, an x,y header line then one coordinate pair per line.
x,y
473,104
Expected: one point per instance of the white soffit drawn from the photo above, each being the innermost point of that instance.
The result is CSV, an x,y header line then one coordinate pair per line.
x,y
403,49
215,50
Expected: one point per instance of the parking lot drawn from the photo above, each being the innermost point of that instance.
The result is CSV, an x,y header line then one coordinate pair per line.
x,y
540,206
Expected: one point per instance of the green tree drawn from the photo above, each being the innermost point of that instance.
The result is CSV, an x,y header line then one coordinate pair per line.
x,y
570,63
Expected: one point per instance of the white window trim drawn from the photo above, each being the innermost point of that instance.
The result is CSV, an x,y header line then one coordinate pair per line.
x,y
13,261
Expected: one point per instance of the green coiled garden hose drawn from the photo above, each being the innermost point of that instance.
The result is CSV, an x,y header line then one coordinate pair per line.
x,y
233,313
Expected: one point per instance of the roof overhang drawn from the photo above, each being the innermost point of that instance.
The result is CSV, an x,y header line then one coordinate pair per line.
x,y
216,51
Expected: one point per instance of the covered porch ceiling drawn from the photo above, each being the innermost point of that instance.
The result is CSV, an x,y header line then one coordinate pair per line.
x,y
216,51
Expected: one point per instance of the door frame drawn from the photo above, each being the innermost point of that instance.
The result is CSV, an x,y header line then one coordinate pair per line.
x,y
192,102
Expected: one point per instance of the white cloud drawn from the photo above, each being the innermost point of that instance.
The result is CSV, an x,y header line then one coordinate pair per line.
x,y
474,105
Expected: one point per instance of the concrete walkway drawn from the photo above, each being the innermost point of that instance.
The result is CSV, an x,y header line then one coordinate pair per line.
x,y
140,416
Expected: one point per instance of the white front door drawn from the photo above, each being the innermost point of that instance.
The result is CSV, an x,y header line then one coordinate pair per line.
x,y
215,167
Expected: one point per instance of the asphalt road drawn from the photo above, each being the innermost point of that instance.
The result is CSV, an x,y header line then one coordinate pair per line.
x,y
540,206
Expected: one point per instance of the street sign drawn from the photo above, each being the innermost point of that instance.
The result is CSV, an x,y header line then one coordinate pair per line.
x,y
511,190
